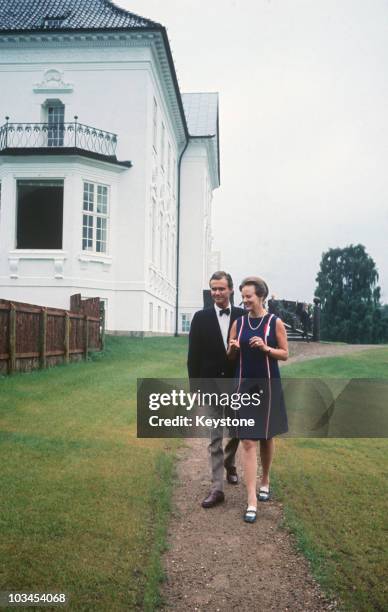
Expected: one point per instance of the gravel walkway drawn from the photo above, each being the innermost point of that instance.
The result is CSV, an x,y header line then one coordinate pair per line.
x,y
215,561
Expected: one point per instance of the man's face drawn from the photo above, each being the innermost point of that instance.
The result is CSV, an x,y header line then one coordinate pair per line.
x,y
220,292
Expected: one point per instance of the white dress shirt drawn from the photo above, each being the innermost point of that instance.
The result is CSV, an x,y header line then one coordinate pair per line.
x,y
223,322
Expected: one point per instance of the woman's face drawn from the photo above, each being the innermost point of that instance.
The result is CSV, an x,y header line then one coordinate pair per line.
x,y
250,299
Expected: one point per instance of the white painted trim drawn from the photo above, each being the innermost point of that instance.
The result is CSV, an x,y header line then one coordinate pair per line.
x,y
37,254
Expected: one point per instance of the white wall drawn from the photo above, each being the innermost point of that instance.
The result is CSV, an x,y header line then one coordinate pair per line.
x,y
195,228
112,89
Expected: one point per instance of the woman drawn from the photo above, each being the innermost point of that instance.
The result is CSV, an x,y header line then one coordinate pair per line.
x,y
258,340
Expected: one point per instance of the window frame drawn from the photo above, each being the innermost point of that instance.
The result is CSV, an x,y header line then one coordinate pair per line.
x,y
50,181
185,322
95,216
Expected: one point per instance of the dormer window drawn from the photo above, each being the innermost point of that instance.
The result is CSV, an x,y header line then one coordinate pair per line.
x,y
53,22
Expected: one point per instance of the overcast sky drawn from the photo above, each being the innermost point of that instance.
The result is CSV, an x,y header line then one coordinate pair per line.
x,y
303,127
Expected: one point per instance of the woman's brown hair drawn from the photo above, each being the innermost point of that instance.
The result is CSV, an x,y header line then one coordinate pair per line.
x,y
261,287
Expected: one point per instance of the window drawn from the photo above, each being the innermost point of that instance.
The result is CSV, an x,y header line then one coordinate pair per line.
x,y
55,124
151,316
53,22
165,320
159,318
39,214
95,218
155,124
185,322
162,141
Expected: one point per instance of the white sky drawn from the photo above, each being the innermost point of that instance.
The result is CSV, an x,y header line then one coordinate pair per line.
x,y
303,127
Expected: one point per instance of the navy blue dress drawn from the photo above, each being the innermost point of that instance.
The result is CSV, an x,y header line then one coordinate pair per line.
x,y
257,373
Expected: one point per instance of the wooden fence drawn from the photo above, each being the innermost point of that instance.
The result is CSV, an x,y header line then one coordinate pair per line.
x,y
34,337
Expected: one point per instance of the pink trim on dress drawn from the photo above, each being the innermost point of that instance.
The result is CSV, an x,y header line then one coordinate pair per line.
x,y
238,339
266,334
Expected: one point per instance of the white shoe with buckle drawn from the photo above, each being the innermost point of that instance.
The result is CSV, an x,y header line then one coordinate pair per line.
x,y
264,493
250,514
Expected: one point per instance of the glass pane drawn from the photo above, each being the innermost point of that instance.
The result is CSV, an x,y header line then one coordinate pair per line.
x,y
102,199
56,117
88,196
87,233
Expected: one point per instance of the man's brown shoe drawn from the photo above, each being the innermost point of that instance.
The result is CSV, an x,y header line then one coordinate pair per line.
x,y
231,475
214,498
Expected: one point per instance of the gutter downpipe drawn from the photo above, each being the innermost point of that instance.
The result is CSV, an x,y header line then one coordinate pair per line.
x,y
178,229
206,137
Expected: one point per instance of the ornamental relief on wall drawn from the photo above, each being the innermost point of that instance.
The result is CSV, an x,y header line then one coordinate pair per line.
x,y
53,83
160,285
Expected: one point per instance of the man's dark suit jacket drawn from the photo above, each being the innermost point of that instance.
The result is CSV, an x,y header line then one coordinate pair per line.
x,y
207,354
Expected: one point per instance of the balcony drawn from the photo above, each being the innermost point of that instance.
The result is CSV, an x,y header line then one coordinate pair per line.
x,y
58,139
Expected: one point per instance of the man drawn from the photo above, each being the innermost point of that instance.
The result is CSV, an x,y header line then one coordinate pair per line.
x,y
208,342
305,321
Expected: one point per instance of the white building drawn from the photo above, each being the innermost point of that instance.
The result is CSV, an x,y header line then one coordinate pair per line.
x,y
106,170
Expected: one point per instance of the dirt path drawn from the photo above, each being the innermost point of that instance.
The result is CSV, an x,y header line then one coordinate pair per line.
x,y
215,561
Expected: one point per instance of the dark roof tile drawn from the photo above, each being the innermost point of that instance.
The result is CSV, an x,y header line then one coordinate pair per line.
x,y
19,15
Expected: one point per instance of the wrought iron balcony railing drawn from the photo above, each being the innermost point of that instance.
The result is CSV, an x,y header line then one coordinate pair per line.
x,y
56,135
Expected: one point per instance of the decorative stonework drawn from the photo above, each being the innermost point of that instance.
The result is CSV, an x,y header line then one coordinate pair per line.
x,y
58,260
105,261
159,285
58,268
13,267
53,83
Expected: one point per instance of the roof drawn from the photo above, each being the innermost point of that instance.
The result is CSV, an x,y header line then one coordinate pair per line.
x,y
19,15
201,110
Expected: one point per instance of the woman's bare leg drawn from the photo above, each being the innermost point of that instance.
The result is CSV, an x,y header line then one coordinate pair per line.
x,y
267,449
249,461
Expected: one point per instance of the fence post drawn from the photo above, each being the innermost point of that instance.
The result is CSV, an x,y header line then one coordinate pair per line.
x,y
317,320
75,131
12,338
102,325
86,337
67,338
6,132
42,339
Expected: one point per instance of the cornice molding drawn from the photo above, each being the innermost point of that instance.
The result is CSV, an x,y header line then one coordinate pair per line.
x,y
82,40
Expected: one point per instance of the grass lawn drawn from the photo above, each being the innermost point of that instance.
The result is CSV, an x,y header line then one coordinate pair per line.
x,y
85,503
335,495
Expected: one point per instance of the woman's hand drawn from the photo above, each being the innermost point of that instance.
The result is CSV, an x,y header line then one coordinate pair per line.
x,y
234,345
257,342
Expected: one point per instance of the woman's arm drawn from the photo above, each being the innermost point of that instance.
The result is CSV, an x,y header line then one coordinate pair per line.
x,y
234,346
280,353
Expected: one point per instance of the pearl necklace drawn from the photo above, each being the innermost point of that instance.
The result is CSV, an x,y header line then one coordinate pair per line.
x,y
255,328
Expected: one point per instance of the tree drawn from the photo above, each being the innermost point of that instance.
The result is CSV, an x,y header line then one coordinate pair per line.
x,y
350,297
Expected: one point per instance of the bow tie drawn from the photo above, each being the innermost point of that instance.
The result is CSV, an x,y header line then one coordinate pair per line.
x,y
225,311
